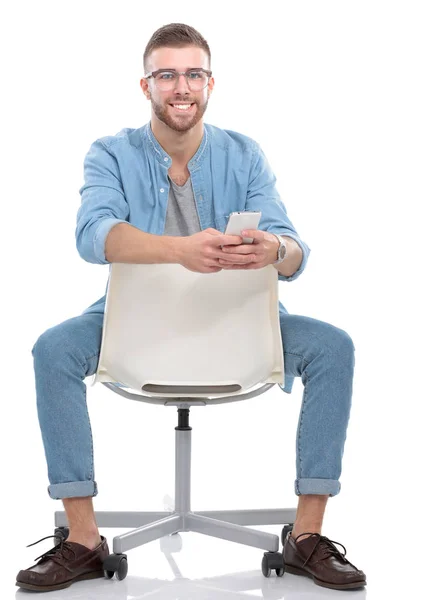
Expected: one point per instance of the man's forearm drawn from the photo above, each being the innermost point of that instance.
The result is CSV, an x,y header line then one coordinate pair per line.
x,y
127,244
294,257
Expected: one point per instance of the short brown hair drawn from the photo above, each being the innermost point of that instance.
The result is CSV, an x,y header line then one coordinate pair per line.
x,y
175,35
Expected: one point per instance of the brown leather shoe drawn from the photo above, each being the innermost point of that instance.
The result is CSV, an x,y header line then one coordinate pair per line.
x,y
318,558
62,565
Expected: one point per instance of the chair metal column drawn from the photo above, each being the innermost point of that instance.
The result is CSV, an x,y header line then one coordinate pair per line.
x,y
183,462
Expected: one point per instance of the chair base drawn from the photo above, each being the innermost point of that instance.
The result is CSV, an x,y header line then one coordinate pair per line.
x,y
224,524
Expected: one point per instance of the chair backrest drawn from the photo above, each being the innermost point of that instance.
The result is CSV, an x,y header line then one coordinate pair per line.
x,y
168,330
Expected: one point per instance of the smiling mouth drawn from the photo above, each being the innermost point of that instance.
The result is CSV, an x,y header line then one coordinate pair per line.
x,y
183,107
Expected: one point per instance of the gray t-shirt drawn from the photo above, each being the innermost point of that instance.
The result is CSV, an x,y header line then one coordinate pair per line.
x,y
181,216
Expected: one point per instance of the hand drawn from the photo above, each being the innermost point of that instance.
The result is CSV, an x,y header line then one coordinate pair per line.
x,y
263,251
201,251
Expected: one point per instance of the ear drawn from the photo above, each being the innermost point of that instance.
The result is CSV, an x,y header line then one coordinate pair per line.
x,y
211,85
145,88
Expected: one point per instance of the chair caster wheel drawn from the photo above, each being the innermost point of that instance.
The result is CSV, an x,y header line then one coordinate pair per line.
x,y
115,564
60,534
285,532
272,560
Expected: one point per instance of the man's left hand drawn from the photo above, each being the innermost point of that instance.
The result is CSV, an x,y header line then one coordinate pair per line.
x,y
263,251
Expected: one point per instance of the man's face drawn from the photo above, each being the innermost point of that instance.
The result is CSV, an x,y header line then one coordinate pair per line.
x,y
162,102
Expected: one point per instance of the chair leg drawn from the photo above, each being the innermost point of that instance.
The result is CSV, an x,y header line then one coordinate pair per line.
x,y
232,533
260,516
148,533
113,518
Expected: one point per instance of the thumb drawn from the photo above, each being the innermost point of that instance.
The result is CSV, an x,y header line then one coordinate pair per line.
x,y
252,233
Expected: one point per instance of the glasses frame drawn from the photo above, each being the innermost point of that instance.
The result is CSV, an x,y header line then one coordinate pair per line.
x,y
179,73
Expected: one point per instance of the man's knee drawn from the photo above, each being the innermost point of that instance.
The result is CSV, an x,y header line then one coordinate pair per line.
x,y
340,343
48,344
77,340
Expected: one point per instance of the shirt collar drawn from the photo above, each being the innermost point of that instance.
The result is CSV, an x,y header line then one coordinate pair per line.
x,y
164,158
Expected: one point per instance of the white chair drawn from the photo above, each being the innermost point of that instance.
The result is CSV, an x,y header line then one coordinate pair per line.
x,y
179,338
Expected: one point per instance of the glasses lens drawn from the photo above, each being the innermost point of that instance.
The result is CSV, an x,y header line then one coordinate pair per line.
x,y
166,80
197,80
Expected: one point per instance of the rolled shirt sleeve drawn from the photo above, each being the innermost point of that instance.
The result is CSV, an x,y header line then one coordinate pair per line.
x,y
262,195
103,203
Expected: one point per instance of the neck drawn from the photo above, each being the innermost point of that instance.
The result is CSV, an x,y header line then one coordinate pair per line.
x,y
180,145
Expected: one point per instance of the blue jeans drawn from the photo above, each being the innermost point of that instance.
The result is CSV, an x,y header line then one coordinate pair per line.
x,y
321,354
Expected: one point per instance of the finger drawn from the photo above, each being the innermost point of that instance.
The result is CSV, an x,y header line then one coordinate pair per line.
x,y
241,249
214,263
257,234
235,254
229,267
238,267
229,262
238,260
227,240
248,267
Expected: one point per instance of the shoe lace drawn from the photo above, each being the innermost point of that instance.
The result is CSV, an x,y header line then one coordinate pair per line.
x,y
329,548
61,551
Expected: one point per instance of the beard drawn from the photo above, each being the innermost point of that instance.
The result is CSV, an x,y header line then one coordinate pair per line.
x,y
175,122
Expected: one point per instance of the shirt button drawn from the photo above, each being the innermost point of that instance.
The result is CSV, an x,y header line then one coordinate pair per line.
x,y
166,158
162,190
201,197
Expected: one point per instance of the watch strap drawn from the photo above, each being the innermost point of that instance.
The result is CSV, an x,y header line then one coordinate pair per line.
x,y
281,249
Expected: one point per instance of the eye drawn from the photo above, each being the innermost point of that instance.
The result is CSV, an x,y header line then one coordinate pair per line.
x,y
166,76
196,74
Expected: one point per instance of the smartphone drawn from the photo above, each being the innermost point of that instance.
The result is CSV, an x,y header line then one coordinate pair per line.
x,y
243,220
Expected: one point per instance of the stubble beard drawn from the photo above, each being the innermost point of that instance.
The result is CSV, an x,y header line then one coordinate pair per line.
x,y
181,125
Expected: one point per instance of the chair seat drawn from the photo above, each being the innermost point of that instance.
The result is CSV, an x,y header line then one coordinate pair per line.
x,y
187,401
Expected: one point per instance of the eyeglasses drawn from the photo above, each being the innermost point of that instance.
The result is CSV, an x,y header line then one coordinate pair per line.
x,y
167,79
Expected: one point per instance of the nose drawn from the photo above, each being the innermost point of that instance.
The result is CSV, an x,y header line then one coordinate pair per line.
x,y
182,85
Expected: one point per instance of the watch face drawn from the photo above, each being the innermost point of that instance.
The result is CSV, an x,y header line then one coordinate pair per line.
x,y
282,251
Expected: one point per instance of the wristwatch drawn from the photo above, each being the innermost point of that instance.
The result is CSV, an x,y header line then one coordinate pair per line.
x,y
281,249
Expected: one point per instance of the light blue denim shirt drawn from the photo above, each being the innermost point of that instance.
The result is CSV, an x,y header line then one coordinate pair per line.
x,y
126,180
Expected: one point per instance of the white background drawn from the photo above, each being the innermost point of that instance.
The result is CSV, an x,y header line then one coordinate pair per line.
x,y
332,90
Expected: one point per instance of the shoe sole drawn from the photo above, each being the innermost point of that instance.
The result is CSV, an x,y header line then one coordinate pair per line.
x,y
334,586
59,586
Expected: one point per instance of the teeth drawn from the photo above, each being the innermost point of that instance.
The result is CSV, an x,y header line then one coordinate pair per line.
x,y
182,106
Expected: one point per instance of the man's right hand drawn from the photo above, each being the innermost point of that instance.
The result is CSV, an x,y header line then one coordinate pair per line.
x,y
201,251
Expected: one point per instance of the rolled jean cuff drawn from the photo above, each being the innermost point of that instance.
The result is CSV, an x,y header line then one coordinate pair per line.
x,y
72,489
330,487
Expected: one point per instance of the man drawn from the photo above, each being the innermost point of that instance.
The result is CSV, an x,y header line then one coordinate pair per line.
x,y
162,193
